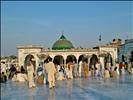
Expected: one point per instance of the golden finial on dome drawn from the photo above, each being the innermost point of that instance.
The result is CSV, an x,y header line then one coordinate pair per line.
x,y
62,32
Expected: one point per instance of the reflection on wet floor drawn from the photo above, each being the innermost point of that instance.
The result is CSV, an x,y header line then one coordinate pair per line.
x,y
76,89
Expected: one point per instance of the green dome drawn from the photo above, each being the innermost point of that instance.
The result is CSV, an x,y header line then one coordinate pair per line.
x,y
62,43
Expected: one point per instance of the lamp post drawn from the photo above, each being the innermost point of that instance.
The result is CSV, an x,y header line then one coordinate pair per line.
x,y
99,44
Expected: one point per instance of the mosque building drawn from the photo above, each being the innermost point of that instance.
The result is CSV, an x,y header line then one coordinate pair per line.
x,y
63,51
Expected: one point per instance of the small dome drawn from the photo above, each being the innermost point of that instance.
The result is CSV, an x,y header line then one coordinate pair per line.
x,y
62,43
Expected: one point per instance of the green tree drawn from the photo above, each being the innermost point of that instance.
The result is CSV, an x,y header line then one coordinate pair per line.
x,y
12,57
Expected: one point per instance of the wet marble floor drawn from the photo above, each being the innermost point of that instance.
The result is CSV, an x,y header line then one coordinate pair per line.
x,y
76,89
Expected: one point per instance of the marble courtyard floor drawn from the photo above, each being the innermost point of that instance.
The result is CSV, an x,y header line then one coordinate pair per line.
x,y
76,89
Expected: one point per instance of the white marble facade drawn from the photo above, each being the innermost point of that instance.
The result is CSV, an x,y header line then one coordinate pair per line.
x,y
36,51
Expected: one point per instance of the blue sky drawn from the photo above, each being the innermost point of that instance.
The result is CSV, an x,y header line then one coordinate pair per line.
x,y
41,22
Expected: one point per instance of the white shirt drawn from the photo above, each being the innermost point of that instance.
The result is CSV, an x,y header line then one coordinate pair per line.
x,y
3,68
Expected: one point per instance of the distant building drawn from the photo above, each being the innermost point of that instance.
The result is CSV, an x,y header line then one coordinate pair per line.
x,y
125,51
9,61
116,42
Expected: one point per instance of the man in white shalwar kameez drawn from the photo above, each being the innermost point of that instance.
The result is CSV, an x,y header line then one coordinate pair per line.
x,y
50,69
80,68
30,70
3,68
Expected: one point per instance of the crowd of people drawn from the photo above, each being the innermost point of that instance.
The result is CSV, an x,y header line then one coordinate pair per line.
x,y
49,72
12,72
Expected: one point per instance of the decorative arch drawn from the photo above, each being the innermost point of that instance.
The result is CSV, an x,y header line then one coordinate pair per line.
x,y
108,59
71,58
58,59
42,56
83,57
93,59
131,56
27,59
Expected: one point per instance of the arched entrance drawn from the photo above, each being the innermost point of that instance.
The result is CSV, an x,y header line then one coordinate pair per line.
x,y
81,58
123,58
26,61
42,58
58,60
108,60
93,60
131,56
71,58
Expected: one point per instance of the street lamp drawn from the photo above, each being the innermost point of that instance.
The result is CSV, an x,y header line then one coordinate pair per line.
x,y
100,39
